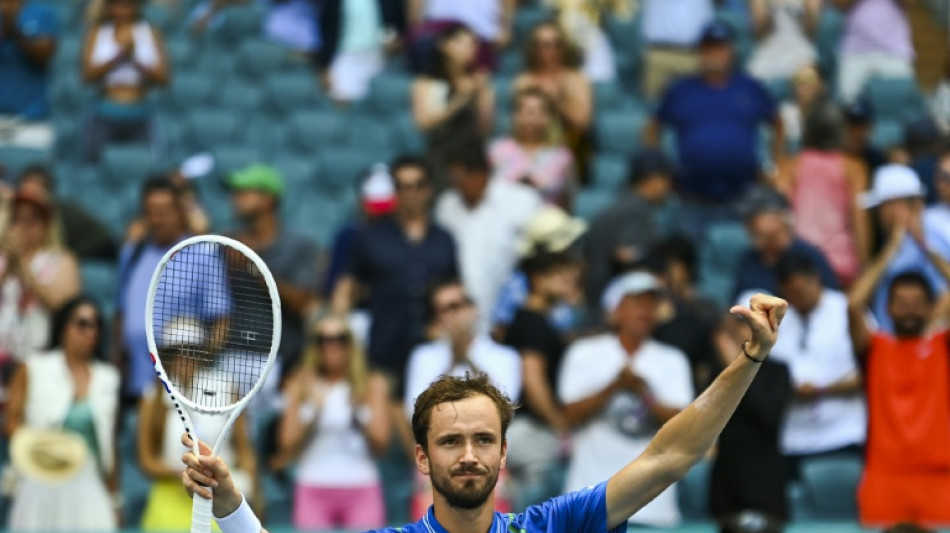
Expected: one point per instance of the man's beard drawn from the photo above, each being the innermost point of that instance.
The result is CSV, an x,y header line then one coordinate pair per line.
x,y
909,327
472,494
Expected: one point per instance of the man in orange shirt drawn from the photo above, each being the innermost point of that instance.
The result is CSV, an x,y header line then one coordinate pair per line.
x,y
907,469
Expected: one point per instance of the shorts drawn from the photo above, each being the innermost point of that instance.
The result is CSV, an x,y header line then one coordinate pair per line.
x,y
886,498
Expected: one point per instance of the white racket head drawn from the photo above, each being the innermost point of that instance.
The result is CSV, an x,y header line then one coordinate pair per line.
x,y
213,325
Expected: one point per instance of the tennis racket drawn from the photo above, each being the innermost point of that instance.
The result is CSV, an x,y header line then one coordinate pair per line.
x,y
213,324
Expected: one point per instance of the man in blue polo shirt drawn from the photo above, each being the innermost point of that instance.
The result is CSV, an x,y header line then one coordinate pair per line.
x,y
27,43
459,427
716,116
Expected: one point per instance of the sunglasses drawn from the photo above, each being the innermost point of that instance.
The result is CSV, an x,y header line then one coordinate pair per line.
x,y
416,186
452,307
323,340
85,323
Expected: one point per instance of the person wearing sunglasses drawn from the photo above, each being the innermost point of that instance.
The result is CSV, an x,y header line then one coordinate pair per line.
x,y
70,390
334,423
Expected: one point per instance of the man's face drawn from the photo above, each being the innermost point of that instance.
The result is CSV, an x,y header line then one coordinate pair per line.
x,y
898,213
802,291
454,311
909,310
9,8
715,58
942,180
470,184
413,191
466,451
770,233
249,204
636,314
163,216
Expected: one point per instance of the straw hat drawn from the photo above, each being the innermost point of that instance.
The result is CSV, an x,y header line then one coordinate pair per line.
x,y
551,228
50,456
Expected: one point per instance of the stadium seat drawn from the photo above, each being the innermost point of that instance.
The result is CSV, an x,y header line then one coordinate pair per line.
x,y
620,132
693,493
207,128
511,62
719,258
267,133
239,97
68,54
609,173
315,216
216,62
240,22
231,157
99,280
68,94
368,132
589,203
607,96
286,92
408,138
13,159
501,124
258,58
894,98
300,173
188,90
780,89
526,18
181,53
830,487
390,93
625,33
126,164
312,130
341,168
887,134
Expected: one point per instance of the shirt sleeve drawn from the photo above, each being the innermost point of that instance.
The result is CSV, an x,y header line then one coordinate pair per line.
x,y
38,22
356,263
767,105
584,511
123,264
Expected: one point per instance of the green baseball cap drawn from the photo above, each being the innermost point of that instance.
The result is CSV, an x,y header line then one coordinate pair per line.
x,y
258,177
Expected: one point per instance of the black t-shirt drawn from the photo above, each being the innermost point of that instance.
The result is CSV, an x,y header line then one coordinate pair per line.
x,y
533,331
691,330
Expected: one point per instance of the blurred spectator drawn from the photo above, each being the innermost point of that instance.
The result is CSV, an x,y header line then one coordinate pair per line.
x,y
28,38
897,200
923,145
619,388
395,259
124,55
582,23
210,14
377,198
908,386
749,474
684,319
165,226
823,183
906,527
622,234
85,235
671,29
538,434
159,447
61,400
939,103
294,261
716,117
455,100
487,217
770,224
490,20
458,349
876,43
552,66
550,230
336,419
937,216
784,30
535,154
182,179
860,119
354,34
807,90
294,24
827,414
38,276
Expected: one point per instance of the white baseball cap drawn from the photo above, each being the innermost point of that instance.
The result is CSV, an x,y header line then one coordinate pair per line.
x,y
628,284
892,182
183,331
552,228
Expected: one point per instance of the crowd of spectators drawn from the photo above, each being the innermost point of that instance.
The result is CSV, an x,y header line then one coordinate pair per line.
x,y
756,163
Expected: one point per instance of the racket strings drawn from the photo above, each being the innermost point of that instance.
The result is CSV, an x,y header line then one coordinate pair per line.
x,y
213,323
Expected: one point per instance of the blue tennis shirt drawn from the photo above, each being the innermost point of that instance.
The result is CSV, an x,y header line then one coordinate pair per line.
x,y
584,511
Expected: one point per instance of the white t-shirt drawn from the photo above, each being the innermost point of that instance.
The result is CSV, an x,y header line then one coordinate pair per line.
x,y
620,433
434,359
818,351
337,455
487,236
482,16
937,216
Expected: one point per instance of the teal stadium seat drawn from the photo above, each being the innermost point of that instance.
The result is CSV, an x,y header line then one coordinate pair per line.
x,y
526,18
99,281
288,92
181,53
207,128
591,202
719,259
229,158
68,94
693,493
341,168
830,486
608,96
407,136
896,99
13,159
188,90
313,130
504,92
126,164
620,132
238,23
68,54
609,173
267,133
390,93
315,216
258,58
887,133
511,62
300,173
370,133
242,98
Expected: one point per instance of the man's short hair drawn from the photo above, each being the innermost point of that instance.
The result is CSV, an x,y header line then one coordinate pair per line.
x,y
159,184
648,163
543,262
409,161
435,288
40,170
449,389
912,278
469,153
792,264
675,249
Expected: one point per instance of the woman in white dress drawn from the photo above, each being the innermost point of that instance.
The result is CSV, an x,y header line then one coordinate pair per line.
x,y
67,389
784,29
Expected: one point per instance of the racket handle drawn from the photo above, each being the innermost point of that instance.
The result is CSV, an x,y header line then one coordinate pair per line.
x,y
201,515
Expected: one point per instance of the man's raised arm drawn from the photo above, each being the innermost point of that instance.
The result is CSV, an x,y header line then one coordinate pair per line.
x,y
684,440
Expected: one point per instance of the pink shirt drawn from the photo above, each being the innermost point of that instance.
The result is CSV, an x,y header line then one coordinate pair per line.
x,y
549,170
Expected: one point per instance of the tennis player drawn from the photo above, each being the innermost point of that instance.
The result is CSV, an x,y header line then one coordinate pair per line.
x,y
459,427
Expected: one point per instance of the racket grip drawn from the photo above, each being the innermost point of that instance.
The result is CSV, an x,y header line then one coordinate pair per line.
x,y
201,515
